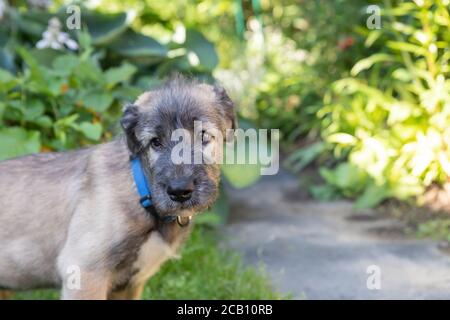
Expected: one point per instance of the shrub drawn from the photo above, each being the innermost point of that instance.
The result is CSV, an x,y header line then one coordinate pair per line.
x,y
387,124
72,103
53,98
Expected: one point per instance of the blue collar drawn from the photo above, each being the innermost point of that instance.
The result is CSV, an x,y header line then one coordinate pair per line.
x,y
145,193
141,183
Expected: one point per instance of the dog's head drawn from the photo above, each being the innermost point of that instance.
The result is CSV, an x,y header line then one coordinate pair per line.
x,y
153,125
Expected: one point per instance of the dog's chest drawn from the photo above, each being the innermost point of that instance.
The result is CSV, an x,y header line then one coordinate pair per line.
x,y
140,258
151,255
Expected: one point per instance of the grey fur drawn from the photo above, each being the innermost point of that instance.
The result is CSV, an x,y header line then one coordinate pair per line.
x,y
81,208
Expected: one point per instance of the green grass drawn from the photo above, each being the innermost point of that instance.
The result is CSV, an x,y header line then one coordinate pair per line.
x,y
205,271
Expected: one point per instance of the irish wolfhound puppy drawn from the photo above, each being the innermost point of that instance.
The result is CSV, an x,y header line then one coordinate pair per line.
x,y
77,220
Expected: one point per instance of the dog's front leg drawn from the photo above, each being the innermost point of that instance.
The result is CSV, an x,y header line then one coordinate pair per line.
x,y
89,286
132,292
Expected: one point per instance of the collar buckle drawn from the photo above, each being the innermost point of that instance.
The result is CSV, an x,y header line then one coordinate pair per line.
x,y
183,224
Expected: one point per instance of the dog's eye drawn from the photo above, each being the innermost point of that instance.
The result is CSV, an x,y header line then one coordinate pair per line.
x,y
155,143
206,137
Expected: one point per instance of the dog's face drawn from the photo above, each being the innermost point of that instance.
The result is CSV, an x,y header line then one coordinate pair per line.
x,y
149,124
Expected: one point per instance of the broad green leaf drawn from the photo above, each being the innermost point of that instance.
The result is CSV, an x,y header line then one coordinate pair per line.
x,y
119,74
324,192
203,49
137,46
16,141
328,175
91,131
33,22
304,156
65,64
104,28
97,100
373,195
7,81
45,57
5,76
33,109
126,93
44,122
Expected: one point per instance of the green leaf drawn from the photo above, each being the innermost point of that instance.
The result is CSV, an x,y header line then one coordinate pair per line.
x,y
27,57
203,48
373,195
368,62
65,64
139,47
126,93
91,131
7,81
44,122
342,138
45,57
119,74
104,28
405,46
33,22
89,71
348,178
97,100
33,109
304,156
5,76
372,37
16,141
324,192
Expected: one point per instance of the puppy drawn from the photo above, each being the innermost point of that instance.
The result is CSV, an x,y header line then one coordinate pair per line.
x,y
76,220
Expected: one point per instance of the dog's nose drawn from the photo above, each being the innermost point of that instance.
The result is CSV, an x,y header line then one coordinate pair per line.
x,y
180,190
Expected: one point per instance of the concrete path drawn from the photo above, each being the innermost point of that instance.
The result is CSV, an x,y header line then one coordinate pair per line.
x,y
318,250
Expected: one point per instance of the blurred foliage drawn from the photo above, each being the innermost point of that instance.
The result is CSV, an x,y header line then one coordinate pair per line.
x,y
294,51
388,122
369,105
61,99
384,124
70,103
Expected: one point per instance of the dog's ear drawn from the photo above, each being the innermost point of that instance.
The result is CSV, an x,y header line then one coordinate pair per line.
x,y
129,118
128,123
228,109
